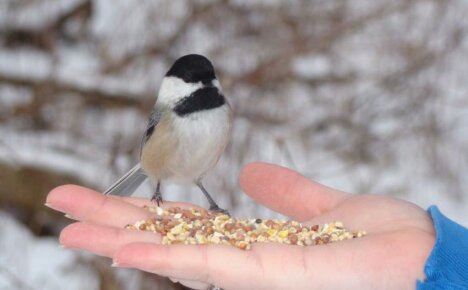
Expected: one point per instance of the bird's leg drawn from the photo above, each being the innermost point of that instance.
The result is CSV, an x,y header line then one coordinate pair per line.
x,y
213,205
157,196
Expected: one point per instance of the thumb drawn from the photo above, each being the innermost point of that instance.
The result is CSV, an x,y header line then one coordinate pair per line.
x,y
288,192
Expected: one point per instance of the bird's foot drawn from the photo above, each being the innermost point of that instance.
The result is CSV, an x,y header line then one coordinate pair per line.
x,y
157,198
218,209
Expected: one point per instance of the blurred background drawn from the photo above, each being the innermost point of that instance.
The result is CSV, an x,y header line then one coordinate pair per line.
x,y
364,96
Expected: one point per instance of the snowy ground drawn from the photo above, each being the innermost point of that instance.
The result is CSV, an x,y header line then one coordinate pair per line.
x,y
23,263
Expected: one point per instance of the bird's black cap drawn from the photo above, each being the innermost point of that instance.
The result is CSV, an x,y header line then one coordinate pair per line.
x,y
193,68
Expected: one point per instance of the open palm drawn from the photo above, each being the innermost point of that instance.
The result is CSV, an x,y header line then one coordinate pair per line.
x,y
392,255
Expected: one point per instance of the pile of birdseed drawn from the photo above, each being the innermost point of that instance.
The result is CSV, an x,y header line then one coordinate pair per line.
x,y
199,226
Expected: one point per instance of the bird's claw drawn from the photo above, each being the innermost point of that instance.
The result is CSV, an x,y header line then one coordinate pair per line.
x,y
220,210
158,199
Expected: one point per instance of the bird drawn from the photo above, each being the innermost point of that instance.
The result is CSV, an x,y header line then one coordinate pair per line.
x,y
187,132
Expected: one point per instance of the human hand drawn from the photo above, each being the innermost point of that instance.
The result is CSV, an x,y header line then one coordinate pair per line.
x,y
392,255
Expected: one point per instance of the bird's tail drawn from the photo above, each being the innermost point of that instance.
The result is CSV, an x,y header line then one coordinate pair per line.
x,y
128,183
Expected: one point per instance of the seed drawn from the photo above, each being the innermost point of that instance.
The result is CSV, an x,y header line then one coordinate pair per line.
x,y
293,238
204,213
187,214
272,232
269,223
242,245
283,234
326,239
198,226
201,239
247,228
334,237
261,238
178,229
229,226
158,210
240,236
276,226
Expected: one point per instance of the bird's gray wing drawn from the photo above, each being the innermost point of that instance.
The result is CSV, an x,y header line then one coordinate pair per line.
x,y
128,183
153,121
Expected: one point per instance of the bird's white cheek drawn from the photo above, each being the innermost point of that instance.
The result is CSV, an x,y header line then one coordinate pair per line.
x,y
216,83
173,89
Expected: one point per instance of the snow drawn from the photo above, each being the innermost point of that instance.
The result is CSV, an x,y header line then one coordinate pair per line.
x,y
39,263
312,66
18,63
35,15
11,96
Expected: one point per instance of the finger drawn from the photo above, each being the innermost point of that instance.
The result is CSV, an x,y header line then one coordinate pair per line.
x,y
288,192
88,205
206,264
190,283
262,267
102,240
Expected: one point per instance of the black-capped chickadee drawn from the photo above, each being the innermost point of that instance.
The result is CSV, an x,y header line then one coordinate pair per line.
x,y
187,130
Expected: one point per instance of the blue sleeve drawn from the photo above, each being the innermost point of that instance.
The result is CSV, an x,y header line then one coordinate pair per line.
x,y
447,266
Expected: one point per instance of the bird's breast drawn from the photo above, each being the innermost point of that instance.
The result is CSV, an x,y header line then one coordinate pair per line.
x,y
192,146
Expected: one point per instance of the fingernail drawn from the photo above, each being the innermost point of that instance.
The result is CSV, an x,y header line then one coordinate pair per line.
x,y
117,264
173,280
70,216
62,246
49,206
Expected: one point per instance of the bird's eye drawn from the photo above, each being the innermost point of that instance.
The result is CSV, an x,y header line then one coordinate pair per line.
x,y
188,75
